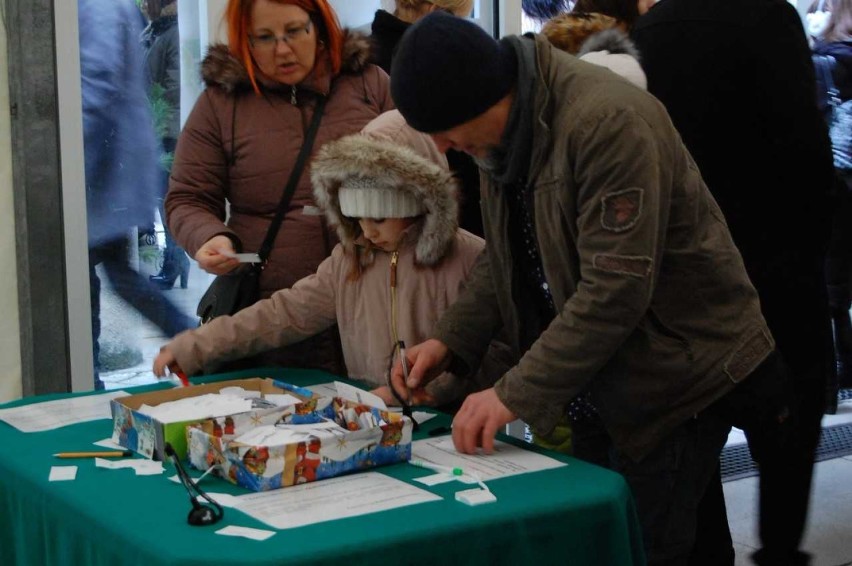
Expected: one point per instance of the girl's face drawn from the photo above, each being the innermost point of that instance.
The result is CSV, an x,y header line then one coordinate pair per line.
x,y
283,41
384,233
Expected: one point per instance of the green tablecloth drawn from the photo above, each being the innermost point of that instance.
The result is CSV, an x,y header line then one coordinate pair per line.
x,y
577,514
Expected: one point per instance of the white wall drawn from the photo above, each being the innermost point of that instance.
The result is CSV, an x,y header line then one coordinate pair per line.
x,y
356,13
10,348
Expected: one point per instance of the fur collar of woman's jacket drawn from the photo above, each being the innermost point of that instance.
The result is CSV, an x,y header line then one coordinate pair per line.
x,y
391,152
220,68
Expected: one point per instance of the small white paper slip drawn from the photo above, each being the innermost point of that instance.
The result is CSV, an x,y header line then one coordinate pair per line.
x,y
142,467
422,416
439,478
243,258
247,532
62,473
475,496
435,479
282,400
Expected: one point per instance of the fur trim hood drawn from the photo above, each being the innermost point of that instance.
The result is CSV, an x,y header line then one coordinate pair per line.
x,y
393,153
598,39
220,68
614,50
613,40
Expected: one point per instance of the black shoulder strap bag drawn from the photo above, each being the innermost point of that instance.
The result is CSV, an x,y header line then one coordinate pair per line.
x,y
239,289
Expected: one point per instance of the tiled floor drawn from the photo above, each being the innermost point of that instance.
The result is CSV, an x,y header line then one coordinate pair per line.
x,y
829,532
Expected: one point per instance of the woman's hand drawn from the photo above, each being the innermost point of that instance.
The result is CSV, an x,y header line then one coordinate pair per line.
x,y
213,257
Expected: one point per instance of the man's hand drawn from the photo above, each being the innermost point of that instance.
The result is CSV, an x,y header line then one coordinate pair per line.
x,y
211,256
426,361
480,417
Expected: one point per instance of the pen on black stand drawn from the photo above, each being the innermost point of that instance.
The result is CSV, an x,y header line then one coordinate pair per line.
x,y
404,361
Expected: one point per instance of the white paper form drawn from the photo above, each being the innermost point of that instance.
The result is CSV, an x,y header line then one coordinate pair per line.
x,y
507,459
335,498
49,415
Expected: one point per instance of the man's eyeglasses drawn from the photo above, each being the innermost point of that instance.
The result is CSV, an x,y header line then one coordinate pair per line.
x,y
269,41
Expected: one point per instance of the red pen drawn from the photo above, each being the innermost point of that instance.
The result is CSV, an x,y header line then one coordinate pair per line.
x,y
183,379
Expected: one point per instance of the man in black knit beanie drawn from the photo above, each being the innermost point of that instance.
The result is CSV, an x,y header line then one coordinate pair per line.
x,y
608,265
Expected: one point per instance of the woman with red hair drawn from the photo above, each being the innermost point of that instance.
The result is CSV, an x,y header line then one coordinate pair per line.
x,y
241,140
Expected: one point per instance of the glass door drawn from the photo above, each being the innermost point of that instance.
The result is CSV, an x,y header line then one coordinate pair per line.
x,y
128,74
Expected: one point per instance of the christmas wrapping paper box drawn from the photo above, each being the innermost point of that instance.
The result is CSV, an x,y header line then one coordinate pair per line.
x,y
318,439
145,434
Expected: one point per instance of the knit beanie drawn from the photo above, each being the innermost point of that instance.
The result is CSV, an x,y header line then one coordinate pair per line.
x,y
388,170
370,198
447,71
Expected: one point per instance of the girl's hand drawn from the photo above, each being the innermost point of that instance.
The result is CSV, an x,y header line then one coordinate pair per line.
x,y
165,362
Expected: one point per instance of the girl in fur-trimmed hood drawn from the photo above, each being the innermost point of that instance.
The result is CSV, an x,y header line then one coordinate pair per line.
x,y
401,263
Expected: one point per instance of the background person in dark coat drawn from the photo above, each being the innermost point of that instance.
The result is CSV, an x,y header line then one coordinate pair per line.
x,y
161,40
737,79
386,31
120,154
835,41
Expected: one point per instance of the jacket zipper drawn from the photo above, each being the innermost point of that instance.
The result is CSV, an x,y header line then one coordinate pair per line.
x,y
293,100
393,263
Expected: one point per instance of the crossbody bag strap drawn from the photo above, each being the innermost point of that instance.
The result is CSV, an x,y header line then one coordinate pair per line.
x,y
295,175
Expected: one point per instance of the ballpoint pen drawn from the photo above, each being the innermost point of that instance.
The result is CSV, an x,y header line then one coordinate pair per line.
x,y
404,361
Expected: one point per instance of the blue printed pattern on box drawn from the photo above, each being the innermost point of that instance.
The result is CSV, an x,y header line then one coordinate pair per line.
x,y
310,441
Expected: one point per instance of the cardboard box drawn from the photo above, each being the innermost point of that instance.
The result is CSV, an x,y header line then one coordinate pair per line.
x,y
147,436
360,437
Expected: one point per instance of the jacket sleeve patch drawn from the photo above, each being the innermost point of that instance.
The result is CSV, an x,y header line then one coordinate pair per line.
x,y
637,266
620,210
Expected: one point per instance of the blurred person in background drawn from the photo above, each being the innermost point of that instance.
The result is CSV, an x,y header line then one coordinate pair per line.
x,y
737,79
387,29
832,51
121,160
161,40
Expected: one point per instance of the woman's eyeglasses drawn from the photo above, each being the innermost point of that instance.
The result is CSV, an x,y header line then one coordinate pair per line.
x,y
269,41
